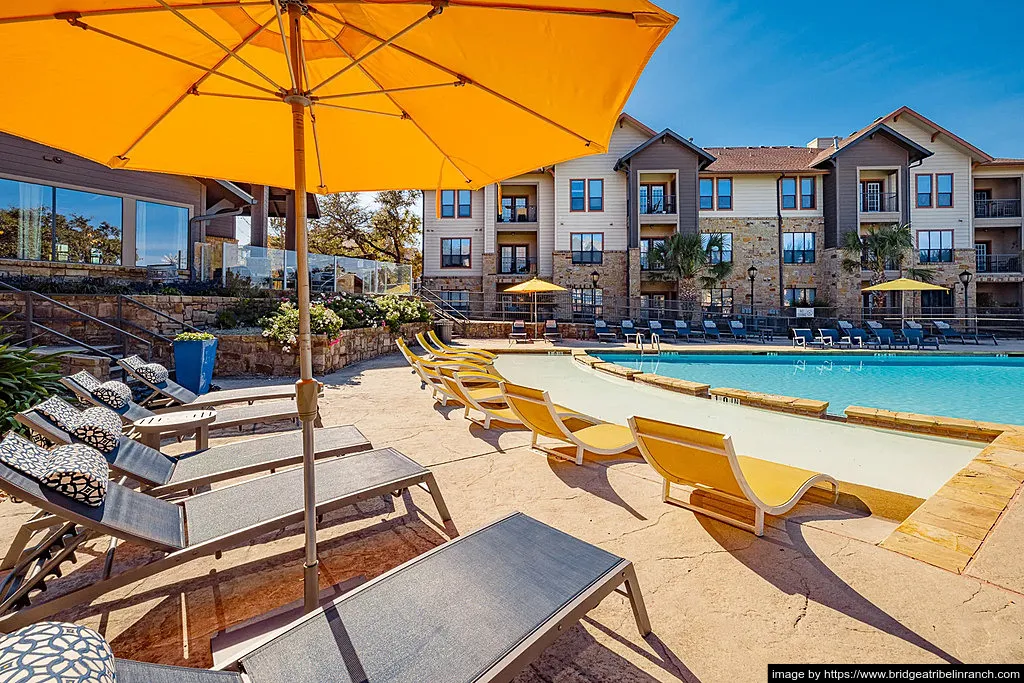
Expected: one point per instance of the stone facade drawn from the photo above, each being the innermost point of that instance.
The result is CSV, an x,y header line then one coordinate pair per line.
x,y
58,269
486,329
256,355
612,278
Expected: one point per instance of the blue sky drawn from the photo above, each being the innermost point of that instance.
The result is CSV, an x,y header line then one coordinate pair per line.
x,y
770,73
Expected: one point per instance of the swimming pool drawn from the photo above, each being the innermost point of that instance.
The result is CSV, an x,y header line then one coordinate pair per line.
x,y
986,388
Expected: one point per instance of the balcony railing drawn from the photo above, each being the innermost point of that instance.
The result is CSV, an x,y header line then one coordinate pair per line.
x,y
879,203
519,265
997,208
867,261
518,214
651,262
658,205
999,263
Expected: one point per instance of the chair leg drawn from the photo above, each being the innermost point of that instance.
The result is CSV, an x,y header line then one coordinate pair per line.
x,y
758,522
579,455
435,493
465,413
636,601
487,421
666,491
533,439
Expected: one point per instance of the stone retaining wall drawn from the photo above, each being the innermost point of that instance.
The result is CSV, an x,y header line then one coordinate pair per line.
x,y
487,329
256,355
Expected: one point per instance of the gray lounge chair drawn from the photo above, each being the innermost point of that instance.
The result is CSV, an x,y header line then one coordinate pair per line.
x,y
551,332
235,416
187,529
603,332
477,608
518,332
174,395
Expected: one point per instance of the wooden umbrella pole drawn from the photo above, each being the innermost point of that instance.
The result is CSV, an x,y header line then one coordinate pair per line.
x,y
306,389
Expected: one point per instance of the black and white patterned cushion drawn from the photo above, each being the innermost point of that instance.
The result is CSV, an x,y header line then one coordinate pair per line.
x,y
40,440
85,379
133,362
99,428
26,457
79,472
154,373
114,394
51,652
59,412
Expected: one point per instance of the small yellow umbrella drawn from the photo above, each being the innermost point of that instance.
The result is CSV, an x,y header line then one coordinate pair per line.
x,y
904,284
532,286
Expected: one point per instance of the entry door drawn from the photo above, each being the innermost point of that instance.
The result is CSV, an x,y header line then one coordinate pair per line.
x,y
514,259
982,203
657,199
873,195
981,256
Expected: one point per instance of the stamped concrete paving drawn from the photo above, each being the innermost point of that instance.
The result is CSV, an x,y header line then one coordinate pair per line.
x,y
723,603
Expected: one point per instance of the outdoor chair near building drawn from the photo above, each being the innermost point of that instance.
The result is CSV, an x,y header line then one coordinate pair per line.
x,y
542,417
711,330
518,332
448,348
708,463
737,330
628,329
803,337
180,531
539,580
884,336
470,387
684,331
947,331
551,332
430,371
656,328
854,333
834,338
916,337
603,332
438,353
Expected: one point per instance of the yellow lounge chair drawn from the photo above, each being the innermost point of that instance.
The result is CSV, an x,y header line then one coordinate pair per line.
x,y
432,336
440,354
541,416
429,371
707,461
471,386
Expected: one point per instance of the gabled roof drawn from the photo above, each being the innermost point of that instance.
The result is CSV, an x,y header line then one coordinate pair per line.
x,y
917,152
636,123
667,134
761,159
936,129
1003,161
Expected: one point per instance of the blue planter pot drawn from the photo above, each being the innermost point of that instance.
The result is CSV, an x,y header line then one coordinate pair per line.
x,y
193,364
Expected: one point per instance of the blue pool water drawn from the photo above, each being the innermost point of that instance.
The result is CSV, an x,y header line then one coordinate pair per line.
x,y
974,387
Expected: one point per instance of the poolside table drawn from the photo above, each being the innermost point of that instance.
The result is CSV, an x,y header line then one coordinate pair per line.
x,y
152,429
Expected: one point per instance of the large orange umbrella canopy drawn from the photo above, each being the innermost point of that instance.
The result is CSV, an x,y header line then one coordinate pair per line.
x,y
405,94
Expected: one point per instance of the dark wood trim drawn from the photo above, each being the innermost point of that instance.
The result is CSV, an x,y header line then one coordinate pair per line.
x,y
440,256
931,191
732,193
580,180
952,190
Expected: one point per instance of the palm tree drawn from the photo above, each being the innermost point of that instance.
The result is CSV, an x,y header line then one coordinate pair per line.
x,y
694,261
889,247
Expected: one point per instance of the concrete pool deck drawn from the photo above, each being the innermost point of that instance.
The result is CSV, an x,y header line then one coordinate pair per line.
x,y
858,455
723,603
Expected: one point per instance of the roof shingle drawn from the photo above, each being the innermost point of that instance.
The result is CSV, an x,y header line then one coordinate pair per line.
x,y
761,159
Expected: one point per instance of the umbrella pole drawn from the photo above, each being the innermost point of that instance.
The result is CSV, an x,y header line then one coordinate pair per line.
x,y
306,388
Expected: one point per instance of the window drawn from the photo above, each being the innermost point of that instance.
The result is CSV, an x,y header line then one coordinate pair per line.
x,y
161,234
718,255
587,247
718,300
595,191
707,193
936,299
924,191
788,193
653,199
935,246
652,306
944,190
800,296
724,194
457,300
577,195
39,222
587,302
447,203
650,253
808,197
798,247
455,252
465,204
514,259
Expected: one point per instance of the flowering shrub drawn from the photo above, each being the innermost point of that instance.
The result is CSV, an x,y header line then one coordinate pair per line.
x,y
354,310
402,309
283,325
194,336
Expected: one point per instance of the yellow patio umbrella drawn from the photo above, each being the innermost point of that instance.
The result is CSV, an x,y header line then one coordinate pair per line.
x,y
385,94
904,284
535,286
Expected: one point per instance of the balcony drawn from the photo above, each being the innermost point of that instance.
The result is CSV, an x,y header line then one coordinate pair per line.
x,y
999,263
997,208
518,214
518,265
656,206
867,261
880,202
650,262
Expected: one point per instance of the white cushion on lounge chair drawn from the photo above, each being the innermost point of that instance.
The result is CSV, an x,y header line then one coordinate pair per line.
x,y
99,428
86,379
114,394
154,373
59,412
79,472
24,456
55,651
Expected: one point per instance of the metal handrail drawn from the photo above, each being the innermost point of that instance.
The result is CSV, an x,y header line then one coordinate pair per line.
x,y
125,297
71,340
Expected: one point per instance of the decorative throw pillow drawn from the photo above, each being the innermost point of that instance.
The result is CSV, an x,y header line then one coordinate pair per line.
x,y
59,412
85,379
41,441
134,362
154,373
23,455
54,651
79,472
99,428
114,394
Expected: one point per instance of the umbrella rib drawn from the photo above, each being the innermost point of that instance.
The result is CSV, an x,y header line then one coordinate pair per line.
x,y
312,116
284,45
383,91
362,111
491,91
552,9
203,32
213,4
385,43
386,94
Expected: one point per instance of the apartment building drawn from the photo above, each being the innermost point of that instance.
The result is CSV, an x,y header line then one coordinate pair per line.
x,y
592,224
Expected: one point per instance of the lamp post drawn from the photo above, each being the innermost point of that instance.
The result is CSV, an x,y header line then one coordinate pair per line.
x,y
965,279
594,277
751,275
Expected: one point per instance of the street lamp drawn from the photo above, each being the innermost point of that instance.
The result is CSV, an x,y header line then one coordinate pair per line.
x,y
594,278
965,279
751,275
